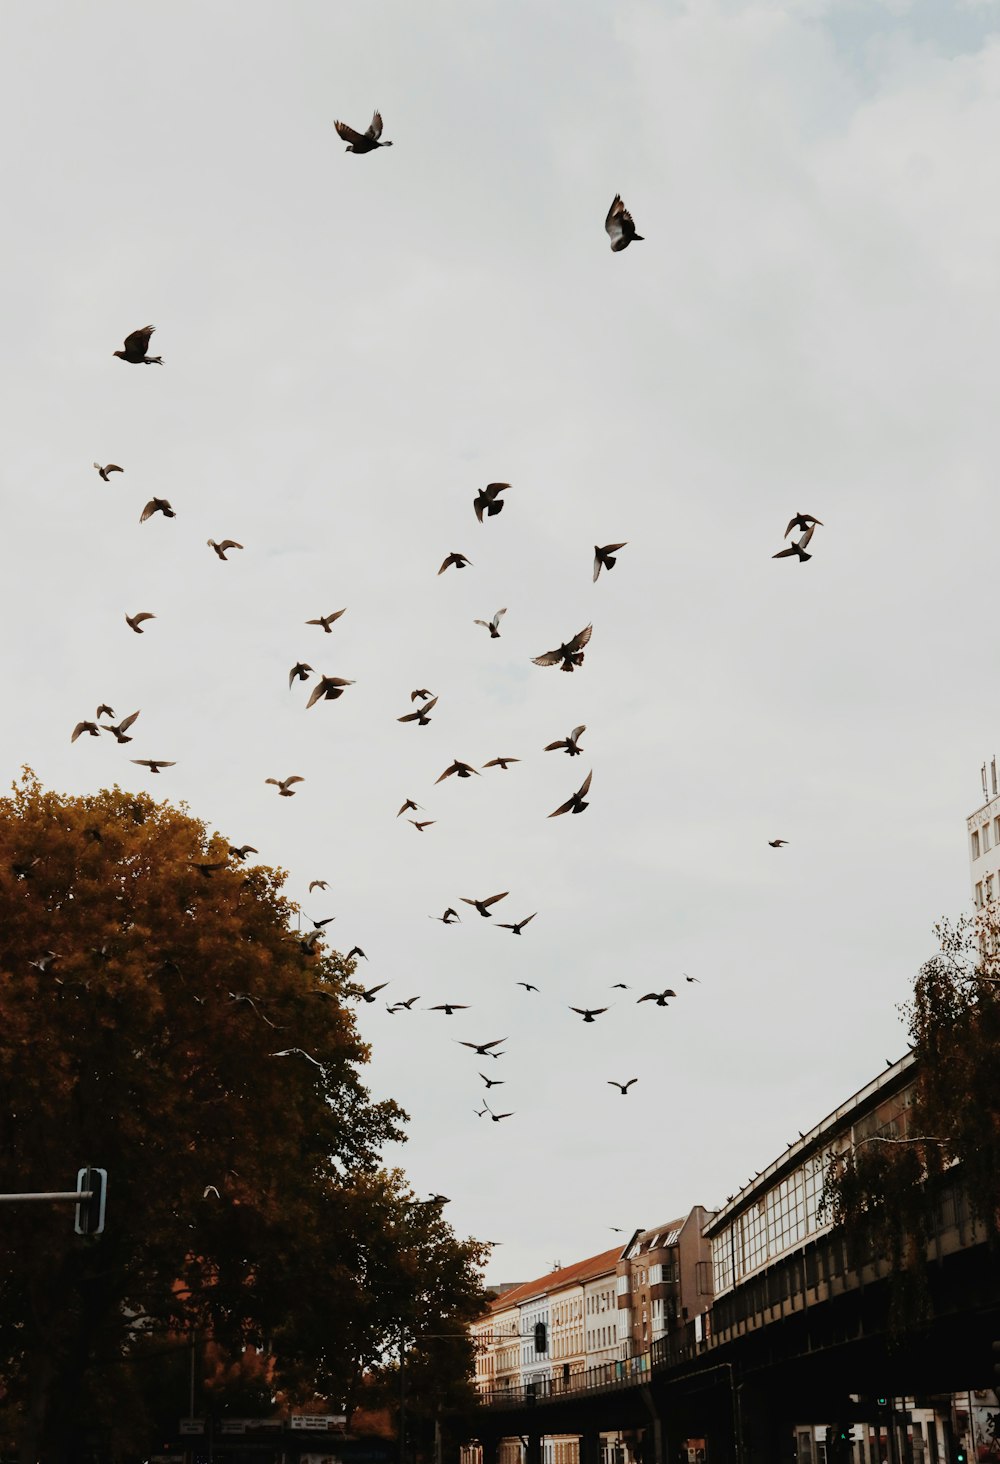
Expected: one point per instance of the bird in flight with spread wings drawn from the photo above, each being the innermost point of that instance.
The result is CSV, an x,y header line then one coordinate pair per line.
x,y
798,547
284,785
157,505
422,714
620,226
577,801
489,499
483,905
570,653
570,744
328,688
589,1013
220,549
605,558
493,626
660,997
624,1087
136,346
108,468
463,769
363,142
326,621
456,559
517,925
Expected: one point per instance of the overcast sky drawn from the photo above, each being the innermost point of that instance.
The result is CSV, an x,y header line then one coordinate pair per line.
x,y
353,347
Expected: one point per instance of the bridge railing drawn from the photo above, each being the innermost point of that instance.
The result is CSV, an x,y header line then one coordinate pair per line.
x,y
627,1372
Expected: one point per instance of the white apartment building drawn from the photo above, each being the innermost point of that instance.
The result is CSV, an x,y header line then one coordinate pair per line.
x,y
983,829
600,1318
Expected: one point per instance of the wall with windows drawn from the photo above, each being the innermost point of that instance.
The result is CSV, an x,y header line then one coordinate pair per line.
x,y
983,829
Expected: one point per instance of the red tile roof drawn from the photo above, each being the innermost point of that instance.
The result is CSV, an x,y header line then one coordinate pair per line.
x,y
576,1274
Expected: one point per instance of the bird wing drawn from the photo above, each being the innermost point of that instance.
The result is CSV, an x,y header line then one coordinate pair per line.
x,y
317,884
555,746
465,901
597,1011
499,616
447,772
550,658
126,722
375,126
149,510
613,223
289,781
318,693
112,468
138,341
230,544
598,561
792,523
581,639
784,553
495,1043
807,535
484,623
613,548
143,762
528,919
630,1082
492,901
348,133
450,560
80,727
143,615
580,1011
650,996
450,911
563,808
585,785
577,732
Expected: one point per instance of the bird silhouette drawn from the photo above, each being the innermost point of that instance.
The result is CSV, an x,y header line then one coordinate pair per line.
x,y
90,728
157,505
483,905
696,979
624,1087
448,1007
154,764
108,468
422,714
298,1052
589,1013
240,851
501,762
492,1082
421,824
776,843
568,744
802,521
207,870
496,1117
660,997
326,621
409,805
285,790
458,560
620,986
136,346
363,142
135,621
527,986
518,926
317,884
490,500
420,693
448,918
356,951
570,653
220,549
463,769
328,688
299,672
605,558
119,731
493,626
482,1049
369,994
576,802
620,226
797,548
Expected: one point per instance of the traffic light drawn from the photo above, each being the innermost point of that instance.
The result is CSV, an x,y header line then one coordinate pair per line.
x,y
90,1212
961,1457
541,1341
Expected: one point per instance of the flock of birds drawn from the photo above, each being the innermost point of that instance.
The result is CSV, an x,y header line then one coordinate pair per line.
x,y
568,656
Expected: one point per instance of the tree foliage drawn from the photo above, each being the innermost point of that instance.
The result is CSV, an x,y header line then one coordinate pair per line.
x,y
143,1002
884,1192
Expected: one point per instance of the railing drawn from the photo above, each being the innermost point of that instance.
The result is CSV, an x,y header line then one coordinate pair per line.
x,y
629,1372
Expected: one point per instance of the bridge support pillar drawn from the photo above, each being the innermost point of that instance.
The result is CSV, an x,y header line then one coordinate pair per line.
x,y
590,1447
767,1431
655,1452
533,1448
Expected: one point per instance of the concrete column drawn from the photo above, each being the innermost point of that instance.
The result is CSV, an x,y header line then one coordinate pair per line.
x,y
590,1448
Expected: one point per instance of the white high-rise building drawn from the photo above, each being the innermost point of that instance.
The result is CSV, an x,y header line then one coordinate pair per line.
x,y
983,828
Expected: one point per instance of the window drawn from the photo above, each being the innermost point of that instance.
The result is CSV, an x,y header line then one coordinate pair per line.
x,y
979,895
996,829
989,888
975,843
984,837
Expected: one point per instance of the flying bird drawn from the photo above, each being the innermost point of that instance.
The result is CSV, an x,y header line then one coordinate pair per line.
x,y
356,951
501,762
326,621
482,907
458,560
207,870
518,926
624,1087
299,672
691,978
589,1013
489,499
620,986
493,625
569,744
802,521
448,918
776,843
371,992
605,558
285,790
81,727
570,653
421,824
154,764
409,804
421,715
293,1051
135,621
482,1049
315,884
620,226
420,693
403,1006
492,1082
109,468
104,710
496,1117
798,547
220,549
210,1190
527,986
327,920
660,997
463,769
121,728
136,346
157,505
577,801
448,1007
241,851
363,142
328,688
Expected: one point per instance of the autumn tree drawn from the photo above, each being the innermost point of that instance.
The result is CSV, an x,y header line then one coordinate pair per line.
x,y
884,1192
148,983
